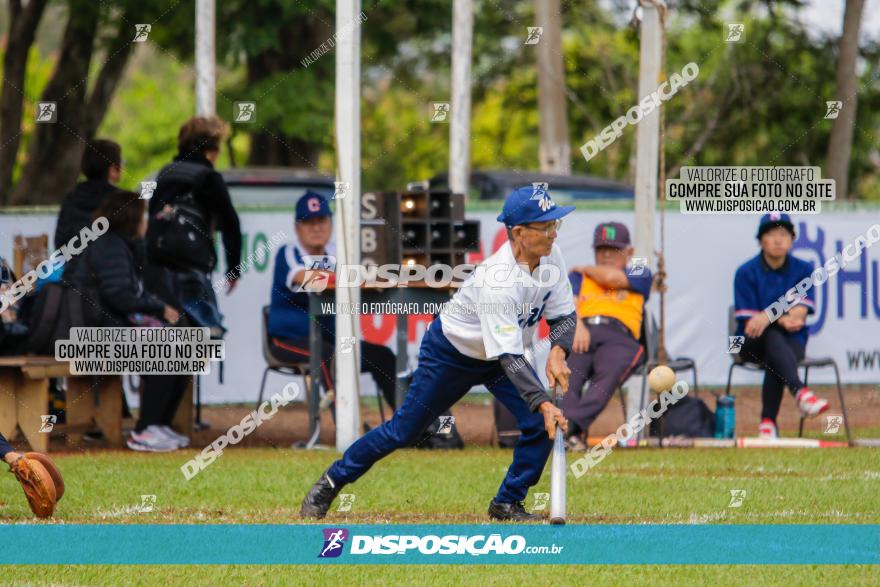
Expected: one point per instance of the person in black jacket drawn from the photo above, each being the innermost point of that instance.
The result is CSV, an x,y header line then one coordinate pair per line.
x,y
102,166
180,274
13,325
111,266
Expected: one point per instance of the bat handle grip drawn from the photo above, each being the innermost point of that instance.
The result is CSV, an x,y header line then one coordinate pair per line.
x,y
557,397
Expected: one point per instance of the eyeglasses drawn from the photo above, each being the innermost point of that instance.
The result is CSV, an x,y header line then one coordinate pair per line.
x,y
557,224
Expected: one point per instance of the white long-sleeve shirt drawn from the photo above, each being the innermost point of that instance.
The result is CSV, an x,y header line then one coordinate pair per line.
x,y
510,303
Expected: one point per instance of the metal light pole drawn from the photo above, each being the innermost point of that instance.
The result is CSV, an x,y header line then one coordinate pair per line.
x,y
348,153
206,81
460,124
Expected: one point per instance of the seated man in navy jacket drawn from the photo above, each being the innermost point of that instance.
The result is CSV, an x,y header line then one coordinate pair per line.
x,y
775,345
289,309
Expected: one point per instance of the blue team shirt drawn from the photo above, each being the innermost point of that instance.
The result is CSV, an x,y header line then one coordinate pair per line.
x,y
756,286
289,309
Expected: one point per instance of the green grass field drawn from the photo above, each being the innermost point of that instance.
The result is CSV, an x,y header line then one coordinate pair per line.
x,y
825,486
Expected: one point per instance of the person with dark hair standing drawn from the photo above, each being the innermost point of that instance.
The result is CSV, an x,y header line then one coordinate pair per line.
x,y
102,166
189,204
111,267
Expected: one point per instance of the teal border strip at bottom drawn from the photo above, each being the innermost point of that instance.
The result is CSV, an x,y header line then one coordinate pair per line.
x,y
432,544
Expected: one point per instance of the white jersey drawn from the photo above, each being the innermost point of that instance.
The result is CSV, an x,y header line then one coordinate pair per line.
x,y
485,320
296,259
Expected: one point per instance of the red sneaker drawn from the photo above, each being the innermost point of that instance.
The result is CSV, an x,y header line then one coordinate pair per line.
x,y
767,429
809,404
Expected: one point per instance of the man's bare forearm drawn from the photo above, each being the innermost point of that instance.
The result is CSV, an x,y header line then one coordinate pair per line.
x,y
606,276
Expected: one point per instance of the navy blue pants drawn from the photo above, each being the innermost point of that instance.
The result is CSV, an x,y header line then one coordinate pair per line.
x,y
778,351
443,377
5,447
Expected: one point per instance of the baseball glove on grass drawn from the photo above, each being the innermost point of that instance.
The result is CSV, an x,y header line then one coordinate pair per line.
x,y
41,482
52,470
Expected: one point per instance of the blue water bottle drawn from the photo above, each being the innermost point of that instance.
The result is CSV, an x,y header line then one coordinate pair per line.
x,y
725,417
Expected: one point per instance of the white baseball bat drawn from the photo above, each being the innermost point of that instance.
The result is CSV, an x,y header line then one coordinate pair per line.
x,y
557,475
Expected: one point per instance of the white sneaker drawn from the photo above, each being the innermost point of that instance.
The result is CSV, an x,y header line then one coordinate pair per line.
x,y
809,404
151,440
181,440
767,429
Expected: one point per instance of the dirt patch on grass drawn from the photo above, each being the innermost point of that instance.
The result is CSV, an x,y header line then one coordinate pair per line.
x,y
476,422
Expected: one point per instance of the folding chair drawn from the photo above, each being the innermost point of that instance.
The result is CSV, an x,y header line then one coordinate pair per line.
x,y
274,364
807,363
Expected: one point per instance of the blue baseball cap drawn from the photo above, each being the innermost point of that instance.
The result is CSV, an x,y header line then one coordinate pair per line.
x,y
530,204
312,205
775,220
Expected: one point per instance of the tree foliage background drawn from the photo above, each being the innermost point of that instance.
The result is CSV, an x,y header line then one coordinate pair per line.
x,y
757,102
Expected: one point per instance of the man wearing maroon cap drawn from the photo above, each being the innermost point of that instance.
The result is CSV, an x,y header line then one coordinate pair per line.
x,y
609,298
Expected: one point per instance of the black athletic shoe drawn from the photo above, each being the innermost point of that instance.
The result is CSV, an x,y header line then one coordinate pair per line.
x,y
319,498
511,512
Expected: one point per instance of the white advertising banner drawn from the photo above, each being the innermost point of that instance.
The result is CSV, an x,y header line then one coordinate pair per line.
x,y
702,254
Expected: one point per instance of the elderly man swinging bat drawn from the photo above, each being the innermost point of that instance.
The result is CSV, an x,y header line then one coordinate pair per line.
x,y
464,349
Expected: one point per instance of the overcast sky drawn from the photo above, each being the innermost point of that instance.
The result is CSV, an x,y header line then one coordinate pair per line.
x,y
823,16
827,15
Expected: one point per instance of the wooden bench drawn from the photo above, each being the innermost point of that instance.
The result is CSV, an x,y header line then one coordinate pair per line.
x,y
90,400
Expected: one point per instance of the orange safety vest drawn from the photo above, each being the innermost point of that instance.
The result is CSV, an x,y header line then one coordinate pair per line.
x,y
622,304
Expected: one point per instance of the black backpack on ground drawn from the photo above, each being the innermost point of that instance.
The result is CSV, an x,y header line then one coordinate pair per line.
x,y
689,417
182,238
55,310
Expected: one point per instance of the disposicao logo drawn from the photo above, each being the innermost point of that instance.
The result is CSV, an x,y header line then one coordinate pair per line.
x,y
432,544
442,545
334,540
